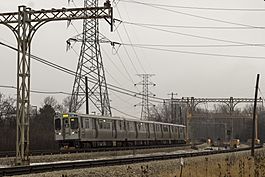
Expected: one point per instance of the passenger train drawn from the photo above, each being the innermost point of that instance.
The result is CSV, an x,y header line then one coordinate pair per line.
x,y
83,131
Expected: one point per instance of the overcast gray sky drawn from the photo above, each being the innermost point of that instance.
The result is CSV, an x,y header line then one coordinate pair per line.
x,y
178,46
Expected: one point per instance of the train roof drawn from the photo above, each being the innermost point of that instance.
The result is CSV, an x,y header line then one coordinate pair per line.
x,y
123,118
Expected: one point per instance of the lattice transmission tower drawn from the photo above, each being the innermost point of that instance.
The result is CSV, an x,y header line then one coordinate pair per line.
x,y
145,95
90,65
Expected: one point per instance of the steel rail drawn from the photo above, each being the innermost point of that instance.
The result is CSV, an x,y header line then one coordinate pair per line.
x,y
10,171
100,149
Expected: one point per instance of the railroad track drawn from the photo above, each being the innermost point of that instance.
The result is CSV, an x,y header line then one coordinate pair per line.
x,y
101,149
106,162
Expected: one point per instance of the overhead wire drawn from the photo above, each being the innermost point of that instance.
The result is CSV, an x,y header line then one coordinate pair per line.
x,y
135,53
113,63
127,53
192,15
197,36
73,73
193,46
202,53
203,8
124,113
37,91
263,98
196,27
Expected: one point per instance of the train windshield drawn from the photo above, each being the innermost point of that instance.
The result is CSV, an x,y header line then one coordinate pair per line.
x,y
74,123
57,124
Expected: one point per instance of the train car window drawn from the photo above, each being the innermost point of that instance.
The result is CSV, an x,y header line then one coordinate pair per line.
x,y
100,123
57,124
180,130
140,126
87,123
165,128
121,125
147,127
157,127
74,123
104,124
82,119
143,126
107,125
150,126
93,123
128,126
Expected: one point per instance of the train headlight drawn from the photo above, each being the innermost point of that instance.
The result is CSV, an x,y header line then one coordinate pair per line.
x,y
59,133
73,133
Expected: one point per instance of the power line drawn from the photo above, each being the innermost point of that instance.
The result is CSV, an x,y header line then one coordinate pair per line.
x,y
195,46
127,53
124,67
192,15
138,59
117,68
201,37
70,72
37,91
196,27
263,98
124,113
200,8
201,53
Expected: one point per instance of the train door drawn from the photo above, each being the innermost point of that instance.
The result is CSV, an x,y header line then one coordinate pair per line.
x,y
58,128
136,129
127,128
66,128
170,130
162,131
147,129
94,128
154,131
114,129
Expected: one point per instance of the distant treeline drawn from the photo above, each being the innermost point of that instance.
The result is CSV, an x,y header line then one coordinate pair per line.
x,y
42,125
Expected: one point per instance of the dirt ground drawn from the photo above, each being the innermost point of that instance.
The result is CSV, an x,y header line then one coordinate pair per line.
x,y
239,164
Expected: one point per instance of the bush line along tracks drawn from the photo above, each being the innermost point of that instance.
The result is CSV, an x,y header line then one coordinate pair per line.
x,y
106,162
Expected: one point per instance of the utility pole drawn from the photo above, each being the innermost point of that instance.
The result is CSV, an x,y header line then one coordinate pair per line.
x,y
90,64
254,117
145,95
24,25
173,108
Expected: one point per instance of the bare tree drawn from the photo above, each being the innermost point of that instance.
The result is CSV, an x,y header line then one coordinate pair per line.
x,y
7,106
50,100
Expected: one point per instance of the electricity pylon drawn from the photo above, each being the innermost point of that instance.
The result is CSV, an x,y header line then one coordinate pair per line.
x,y
24,25
90,65
145,95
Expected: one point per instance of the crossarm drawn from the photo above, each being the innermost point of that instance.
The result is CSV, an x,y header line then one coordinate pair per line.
x,y
59,14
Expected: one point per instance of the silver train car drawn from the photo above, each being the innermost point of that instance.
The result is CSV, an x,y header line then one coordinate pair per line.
x,y
82,130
